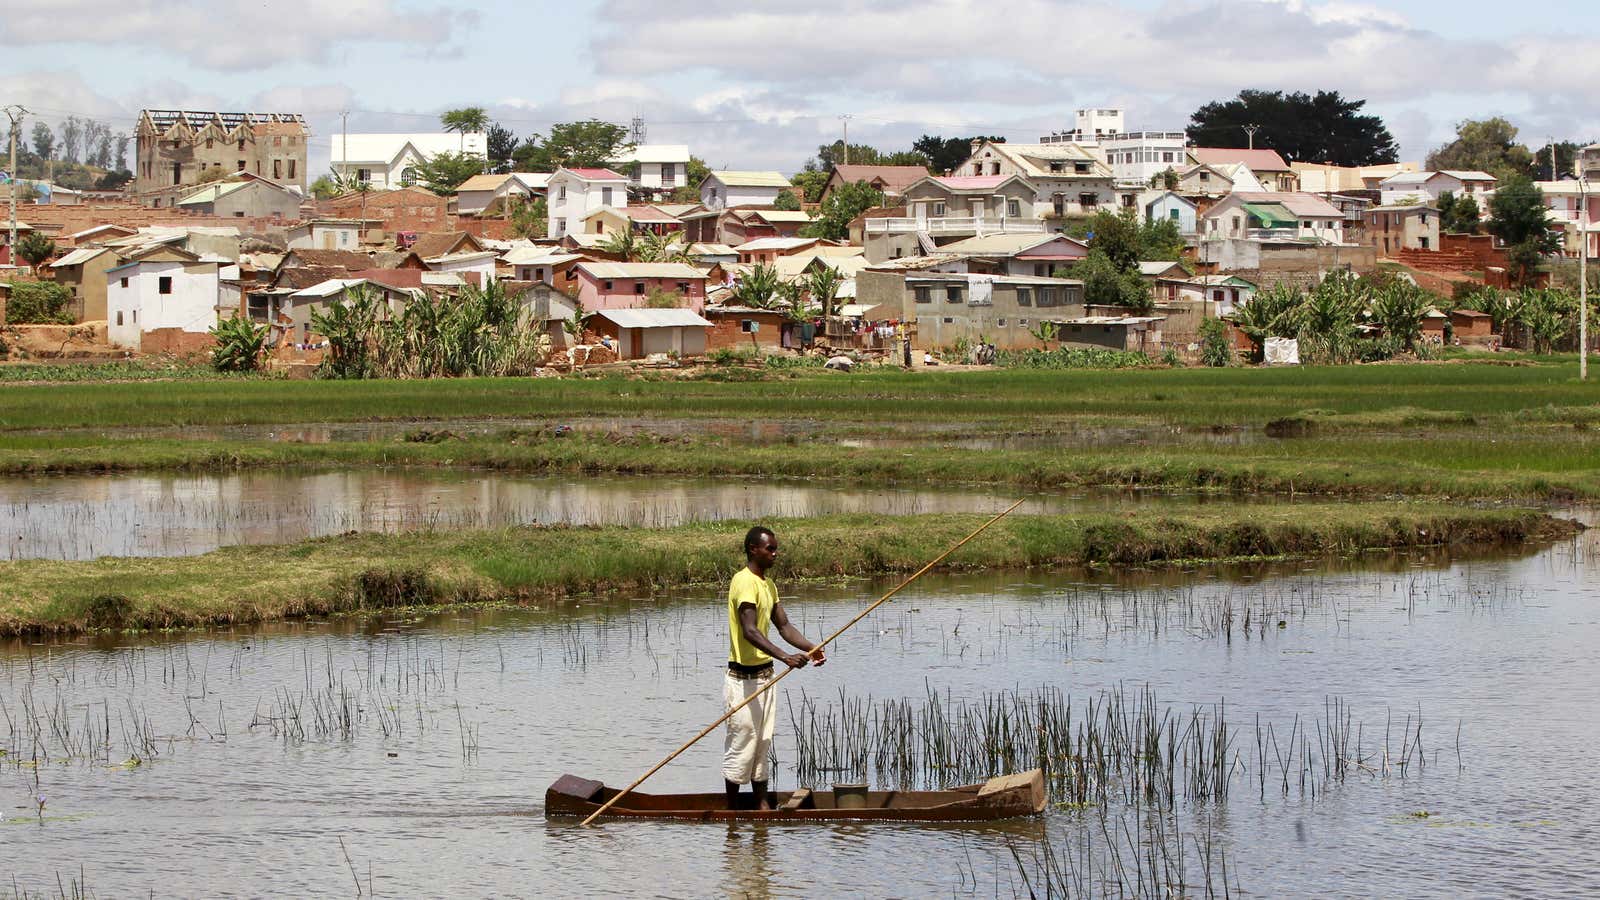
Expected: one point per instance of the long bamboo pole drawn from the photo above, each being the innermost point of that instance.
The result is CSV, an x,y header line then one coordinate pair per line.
x,y
785,673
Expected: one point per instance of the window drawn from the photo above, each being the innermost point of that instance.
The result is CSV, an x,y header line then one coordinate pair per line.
x,y
1047,297
164,284
277,141
977,168
241,147
241,166
669,175
291,167
923,294
952,293
636,172
136,317
1205,176
683,288
208,143
124,282
1041,270
949,321
605,196
119,317
561,192
239,214
1023,322
608,285
994,168
1166,157
1024,296
1058,204
277,168
1088,200
638,287
938,208
1080,168
1013,208
1000,323
748,326
1058,166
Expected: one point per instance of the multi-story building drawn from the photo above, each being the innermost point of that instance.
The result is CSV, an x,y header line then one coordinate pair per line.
x,y
1135,157
176,148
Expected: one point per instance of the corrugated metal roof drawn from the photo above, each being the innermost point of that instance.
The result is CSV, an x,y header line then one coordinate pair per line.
x,y
212,192
78,257
776,243
654,318
752,179
537,256
482,183
640,270
784,215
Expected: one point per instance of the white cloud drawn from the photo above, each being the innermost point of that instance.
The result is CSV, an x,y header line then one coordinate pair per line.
x,y
233,35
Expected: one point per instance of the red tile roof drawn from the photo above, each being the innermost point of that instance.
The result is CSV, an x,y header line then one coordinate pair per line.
x,y
1256,160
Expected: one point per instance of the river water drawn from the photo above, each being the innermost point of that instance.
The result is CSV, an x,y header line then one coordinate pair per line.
x,y
410,754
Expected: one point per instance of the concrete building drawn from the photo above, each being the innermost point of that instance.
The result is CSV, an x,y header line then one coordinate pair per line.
x,y
164,300
174,148
572,194
83,271
1155,206
1067,179
245,198
654,170
1273,215
327,234
616,285
387,161
638,333
1427,187
1005,310
1390,229
1266,165
891,181
721,190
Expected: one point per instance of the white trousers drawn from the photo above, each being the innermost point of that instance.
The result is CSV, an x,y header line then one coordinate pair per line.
x,y
748,743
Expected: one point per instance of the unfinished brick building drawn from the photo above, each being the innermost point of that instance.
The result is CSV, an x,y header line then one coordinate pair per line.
x,y
176,147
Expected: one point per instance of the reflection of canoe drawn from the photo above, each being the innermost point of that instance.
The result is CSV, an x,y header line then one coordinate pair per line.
x,y
1005,797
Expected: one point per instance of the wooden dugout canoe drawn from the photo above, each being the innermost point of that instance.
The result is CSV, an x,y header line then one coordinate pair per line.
x,y
1004,797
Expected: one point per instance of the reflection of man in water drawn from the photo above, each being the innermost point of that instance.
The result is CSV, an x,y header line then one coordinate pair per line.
x,y
752,604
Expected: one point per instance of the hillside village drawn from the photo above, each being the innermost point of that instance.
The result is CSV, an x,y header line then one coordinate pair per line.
x,y
650,256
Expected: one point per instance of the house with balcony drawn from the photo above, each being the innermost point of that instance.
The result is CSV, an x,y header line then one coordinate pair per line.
x,y
1037,255
1068,180
572,194
1274,216
941,209
618,285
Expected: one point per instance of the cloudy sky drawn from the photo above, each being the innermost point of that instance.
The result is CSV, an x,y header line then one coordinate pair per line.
x,y
758,85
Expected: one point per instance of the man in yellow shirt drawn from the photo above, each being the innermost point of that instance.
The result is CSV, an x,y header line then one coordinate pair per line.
x,y
752,605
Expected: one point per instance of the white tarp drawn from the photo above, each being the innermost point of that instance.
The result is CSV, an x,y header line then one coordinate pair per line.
x,y
981,290
1282,352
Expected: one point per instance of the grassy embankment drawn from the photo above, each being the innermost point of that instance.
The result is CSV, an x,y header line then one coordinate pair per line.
x,y
360,572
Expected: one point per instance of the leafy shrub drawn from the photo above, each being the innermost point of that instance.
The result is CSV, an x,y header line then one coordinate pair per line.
x,y
1071,358
240,343
39,303
733,356
1215,349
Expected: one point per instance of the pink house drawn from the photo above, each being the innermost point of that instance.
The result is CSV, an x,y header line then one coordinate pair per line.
x,y
615,285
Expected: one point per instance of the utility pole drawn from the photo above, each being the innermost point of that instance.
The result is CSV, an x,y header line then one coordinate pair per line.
x,y
344,147
846,120
1553,175
1251,131
1583,269
15,114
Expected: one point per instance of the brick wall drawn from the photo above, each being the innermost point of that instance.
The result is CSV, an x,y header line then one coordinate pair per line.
x,y
176,342
72,219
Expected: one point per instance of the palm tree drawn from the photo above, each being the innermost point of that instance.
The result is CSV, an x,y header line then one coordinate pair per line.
x,y
662,248
758,287
461,121
823,283
623,244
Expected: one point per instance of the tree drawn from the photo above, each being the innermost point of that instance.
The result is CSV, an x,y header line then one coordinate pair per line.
x,y
666,247
442,173
71,135
1160,239
240,344
1215,348
529,218
502,143
786,200
1517,216
590,144
35,248
1118,236
1165,180
1566,153
1488,145
1105,284
121,141
844,204
1399,307
622,244
757,288
113,181
464,120
811,181
1324,127
822,284
1459,215
325,188
43,140
945,154
38,303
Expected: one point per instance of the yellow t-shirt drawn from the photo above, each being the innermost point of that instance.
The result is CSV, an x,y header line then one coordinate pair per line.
x,y
747,587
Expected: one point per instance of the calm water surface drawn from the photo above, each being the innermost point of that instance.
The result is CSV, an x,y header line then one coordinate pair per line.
x,y
459,721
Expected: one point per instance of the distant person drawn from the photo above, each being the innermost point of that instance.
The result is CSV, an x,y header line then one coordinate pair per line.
x,y
752,604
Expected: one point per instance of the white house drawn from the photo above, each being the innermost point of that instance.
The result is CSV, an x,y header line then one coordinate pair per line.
x,y
574,193
1275,216
164,299
1157,205
1428,186
721,190
327,234
1067,179
461,263
389,161
654,169
476,194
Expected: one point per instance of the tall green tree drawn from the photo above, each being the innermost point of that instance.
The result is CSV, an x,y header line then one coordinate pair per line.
x,y
1566,153
442,173
502,142
589,144
811,181
1517,216
844,204
786,200
1107,284
35,248
1486,145
1459,215
1323,127
43,140
464,121
822,284
945,154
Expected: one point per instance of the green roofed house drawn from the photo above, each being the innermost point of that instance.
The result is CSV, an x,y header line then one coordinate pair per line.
x,y
1275,216
250,197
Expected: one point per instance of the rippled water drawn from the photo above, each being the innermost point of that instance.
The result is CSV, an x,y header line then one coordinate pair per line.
x,y
84,517
464,718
